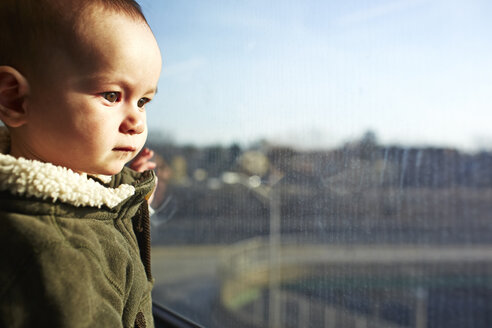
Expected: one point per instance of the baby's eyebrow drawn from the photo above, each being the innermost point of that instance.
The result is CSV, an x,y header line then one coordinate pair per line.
x,y
87,81
152,91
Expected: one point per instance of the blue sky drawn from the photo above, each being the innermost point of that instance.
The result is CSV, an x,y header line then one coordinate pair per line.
x,y
314,73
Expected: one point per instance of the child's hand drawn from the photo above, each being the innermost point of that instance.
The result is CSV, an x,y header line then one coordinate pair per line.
x,y
142,161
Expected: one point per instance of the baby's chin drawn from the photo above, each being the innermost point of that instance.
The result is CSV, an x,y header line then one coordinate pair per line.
x,y
101,171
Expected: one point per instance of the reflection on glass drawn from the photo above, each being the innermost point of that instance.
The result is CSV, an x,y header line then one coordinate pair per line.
x,y
363,235
324,163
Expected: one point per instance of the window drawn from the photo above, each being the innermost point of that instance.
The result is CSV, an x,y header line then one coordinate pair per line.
x,y
323,163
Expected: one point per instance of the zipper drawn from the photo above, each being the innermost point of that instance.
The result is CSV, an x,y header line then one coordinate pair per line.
x,y
141,226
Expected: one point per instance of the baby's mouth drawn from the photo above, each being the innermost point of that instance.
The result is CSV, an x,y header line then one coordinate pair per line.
x,y
128,149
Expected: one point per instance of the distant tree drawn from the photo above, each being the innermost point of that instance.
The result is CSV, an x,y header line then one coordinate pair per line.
x,y
368,145
234,152
281,157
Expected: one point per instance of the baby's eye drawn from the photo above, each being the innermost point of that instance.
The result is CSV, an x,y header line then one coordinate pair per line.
x,y
111,96
142,101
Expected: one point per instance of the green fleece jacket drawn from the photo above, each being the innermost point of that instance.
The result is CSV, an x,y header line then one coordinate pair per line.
x,y
74,249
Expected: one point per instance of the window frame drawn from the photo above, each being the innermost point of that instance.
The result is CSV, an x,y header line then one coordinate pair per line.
x,y
165,318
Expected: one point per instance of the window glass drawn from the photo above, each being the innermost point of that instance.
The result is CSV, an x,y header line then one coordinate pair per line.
x,y
323,163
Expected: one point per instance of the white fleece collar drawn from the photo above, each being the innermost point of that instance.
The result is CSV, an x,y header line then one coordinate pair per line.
x,y
32,178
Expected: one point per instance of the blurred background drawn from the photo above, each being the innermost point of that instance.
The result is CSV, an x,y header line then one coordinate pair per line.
x,y
323,163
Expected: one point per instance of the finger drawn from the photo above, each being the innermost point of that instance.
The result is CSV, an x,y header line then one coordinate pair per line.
x,y
149,165
142,157
136,163
143,166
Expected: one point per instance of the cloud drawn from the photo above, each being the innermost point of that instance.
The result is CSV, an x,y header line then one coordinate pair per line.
x,y
372,13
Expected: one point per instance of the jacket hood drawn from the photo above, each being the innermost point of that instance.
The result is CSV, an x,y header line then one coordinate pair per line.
x,y
31,178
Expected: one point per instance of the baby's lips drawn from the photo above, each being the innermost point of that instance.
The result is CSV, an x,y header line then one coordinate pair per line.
x,y
124,148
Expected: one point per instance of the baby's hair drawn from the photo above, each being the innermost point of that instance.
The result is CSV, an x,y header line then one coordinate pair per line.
x,y
30,29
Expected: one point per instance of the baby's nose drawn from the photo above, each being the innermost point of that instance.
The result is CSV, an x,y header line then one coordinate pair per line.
x,y
132,124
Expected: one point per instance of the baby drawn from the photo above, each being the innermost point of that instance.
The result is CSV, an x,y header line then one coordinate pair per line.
x,y
75,76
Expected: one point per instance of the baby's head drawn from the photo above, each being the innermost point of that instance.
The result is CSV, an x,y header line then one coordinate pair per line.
x,y
75,76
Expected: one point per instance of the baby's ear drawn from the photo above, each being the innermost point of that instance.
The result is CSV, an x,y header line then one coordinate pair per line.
x,y
14,90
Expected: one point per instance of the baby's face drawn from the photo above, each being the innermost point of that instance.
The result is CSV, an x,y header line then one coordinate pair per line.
x,y
90,116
